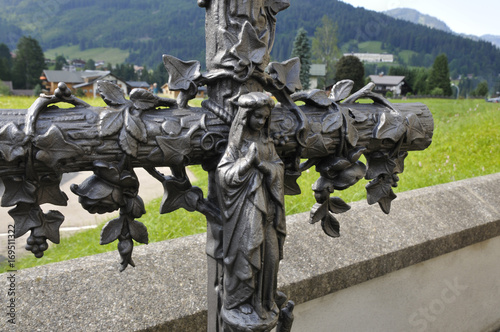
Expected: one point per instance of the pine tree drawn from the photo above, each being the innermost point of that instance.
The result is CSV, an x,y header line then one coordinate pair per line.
x,y
5,63
440,75
60,62
350,67
29,63
325,47
302,50
482,89
90,64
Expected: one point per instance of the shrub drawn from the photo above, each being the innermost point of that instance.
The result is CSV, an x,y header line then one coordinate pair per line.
x,y
37,90
437,92
4,89
79,93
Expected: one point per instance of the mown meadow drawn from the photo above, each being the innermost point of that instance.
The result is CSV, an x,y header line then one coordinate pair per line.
x,y
466,144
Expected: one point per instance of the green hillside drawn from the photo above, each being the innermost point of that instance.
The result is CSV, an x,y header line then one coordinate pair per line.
x,y
108,55
150,28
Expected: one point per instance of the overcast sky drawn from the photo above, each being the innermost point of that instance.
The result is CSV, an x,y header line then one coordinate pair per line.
x,y
477,17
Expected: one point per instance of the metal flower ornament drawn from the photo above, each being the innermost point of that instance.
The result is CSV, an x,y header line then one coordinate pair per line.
x,y
252,148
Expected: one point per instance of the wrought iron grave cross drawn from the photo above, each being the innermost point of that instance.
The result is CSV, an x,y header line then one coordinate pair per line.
x,y
250,146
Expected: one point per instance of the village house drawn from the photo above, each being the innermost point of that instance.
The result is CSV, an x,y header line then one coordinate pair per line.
x,y
316,72
91,77
396,84
373,57
50,79
85,80
131,85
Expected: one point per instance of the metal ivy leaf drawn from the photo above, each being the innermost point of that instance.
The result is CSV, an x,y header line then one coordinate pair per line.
x,y
111,230
110,123
400,162
385,202
182,73
12,141
278,5
358,116
135,207
349,176
341,90
50,192
111,93
52,221
415,129
337,205
175,149
125,248
379,164
390,126
138,231
54,147
18,190
290,183
179,194
332,165
380,191
135,127
318,212
316,146
330,225
313,97
128,143
351,133
286,74
26,216
250,49
143,99
331,122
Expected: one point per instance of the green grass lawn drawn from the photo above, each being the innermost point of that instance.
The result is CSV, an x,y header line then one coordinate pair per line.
x,y
466,144
370,47
406,55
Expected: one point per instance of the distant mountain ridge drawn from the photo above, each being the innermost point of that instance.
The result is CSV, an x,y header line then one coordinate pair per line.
x,y
492,38
414,16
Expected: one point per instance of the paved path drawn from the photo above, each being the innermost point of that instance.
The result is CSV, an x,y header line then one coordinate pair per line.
x,y
76,217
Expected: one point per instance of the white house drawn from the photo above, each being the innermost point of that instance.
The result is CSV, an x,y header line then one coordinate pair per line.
x,y
395,84
315,72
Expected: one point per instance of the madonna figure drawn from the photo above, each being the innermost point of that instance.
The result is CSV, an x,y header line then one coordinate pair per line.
x,y
251,194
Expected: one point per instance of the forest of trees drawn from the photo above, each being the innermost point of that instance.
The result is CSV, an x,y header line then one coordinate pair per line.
x,y
25,69
151,28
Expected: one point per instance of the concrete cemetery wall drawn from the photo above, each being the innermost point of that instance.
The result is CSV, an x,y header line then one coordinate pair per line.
x,y
431,265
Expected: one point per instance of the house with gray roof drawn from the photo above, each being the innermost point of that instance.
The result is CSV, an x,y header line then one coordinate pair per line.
x,y
137,85
85,80
51,79
396,84
316,72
